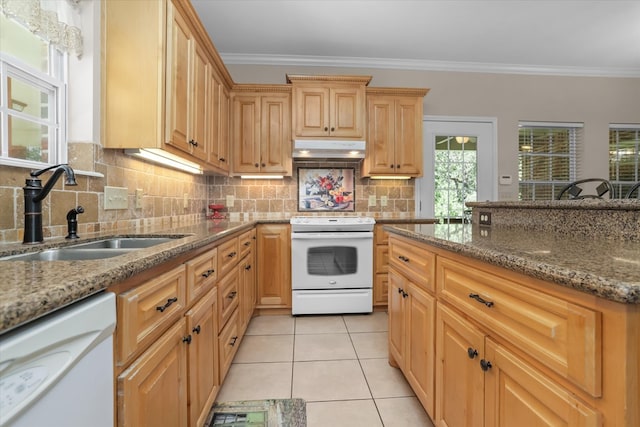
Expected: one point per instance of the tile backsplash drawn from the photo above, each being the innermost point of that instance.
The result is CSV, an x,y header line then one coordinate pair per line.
x,y
164,192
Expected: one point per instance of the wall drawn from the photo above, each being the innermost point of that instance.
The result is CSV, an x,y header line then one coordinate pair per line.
x,y
594,101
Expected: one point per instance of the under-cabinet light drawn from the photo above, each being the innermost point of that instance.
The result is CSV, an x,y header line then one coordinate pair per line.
x,y
389,177
165,159
261,176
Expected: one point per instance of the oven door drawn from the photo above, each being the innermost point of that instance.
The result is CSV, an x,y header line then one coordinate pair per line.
x,y
332,260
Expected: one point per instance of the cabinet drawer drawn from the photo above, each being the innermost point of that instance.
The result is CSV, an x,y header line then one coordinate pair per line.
x,y
563,336
145,312
201,274
227,256
227,297
414,261
246,242
228,342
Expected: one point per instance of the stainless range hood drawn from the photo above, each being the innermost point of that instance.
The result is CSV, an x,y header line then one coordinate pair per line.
x,y
328,149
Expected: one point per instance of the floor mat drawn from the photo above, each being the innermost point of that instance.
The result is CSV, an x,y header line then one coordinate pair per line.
x,y
258,413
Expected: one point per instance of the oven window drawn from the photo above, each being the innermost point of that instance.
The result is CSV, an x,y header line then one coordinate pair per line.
x,y
332,260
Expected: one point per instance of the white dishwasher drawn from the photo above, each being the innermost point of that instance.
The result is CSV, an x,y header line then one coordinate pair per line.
x,y
58,370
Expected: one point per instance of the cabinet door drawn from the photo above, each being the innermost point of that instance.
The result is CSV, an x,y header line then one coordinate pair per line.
x,y
397,325
212,115
198,138
346,108
311,111
380,135
179,63
275,135
223,129
419,364
203,357
153,390
274,265
459,377
517,394
246,134
246,272
408,136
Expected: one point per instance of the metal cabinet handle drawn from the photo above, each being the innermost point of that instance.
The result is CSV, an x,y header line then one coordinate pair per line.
x,y
208,272
326,128
333,129
233,341
232,295
222,159
187,339
481,300
196,330
472,352
256,165
162,308
231,254
397,166
403,258
248,267
485,365
247,243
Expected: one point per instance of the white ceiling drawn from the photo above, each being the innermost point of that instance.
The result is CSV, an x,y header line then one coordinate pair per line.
x,y
563,37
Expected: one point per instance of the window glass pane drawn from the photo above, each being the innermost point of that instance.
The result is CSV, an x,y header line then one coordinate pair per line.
x,y
17,41
28,140
624,159
28,99
332,260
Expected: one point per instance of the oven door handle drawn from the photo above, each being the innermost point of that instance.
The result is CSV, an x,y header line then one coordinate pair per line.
x,y
333,235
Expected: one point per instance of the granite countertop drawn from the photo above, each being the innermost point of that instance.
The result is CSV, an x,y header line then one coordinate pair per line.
x,y
32,289
603,267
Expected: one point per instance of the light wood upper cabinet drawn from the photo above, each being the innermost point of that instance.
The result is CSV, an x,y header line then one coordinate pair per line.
x,y
394,132
158,93
218,124
261,131
329,106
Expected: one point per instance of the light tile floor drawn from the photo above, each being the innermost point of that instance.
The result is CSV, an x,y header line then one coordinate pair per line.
x,y
338,364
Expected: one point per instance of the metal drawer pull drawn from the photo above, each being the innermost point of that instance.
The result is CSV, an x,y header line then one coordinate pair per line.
x,y
196,330
248,267
481,300
208,273
247,243
404,294
403,258
170,301
233,341
187,339
231,254
485,365
232,295
472,352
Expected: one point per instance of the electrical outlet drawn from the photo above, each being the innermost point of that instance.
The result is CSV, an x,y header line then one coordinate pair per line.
x,y
383,200
372,201
185,200
115,198
485,218
230,201
139,196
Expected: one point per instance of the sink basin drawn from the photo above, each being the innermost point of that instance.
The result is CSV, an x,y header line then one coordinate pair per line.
x,y
123,243
100,249
68,254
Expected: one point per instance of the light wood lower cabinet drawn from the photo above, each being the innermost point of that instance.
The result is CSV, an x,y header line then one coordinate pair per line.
x,y
153,390
380,266
411,335
510,349
274,278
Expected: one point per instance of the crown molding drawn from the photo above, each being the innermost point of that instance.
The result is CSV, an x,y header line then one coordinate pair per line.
x,y
426,65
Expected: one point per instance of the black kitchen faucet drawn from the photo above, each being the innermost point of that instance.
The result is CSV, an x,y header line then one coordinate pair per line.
x,y
34,193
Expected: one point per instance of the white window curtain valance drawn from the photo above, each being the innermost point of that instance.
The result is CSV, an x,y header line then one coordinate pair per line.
x,y
56,21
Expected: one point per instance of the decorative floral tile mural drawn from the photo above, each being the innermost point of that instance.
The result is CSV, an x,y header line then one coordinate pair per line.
x,y
321,189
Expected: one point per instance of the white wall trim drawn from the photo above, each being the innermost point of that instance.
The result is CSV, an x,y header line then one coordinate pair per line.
x,y
424,65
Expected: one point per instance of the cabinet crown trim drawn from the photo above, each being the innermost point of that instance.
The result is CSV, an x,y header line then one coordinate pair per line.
x,y
400,91
291,78
261,88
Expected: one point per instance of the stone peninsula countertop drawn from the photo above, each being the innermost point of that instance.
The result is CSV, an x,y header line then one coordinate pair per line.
x,y
32,289
606,268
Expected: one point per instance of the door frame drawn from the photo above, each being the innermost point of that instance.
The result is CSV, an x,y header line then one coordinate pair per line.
x,y
484,128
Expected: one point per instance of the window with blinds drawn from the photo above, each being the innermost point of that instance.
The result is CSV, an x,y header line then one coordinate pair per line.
x,y
624,157
547,158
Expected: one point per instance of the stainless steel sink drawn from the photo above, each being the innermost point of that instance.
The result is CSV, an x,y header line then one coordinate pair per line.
x,y
100,249
68,254
123,243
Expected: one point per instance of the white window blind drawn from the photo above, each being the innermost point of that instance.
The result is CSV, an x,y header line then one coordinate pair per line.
x,y
624,157
548,158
